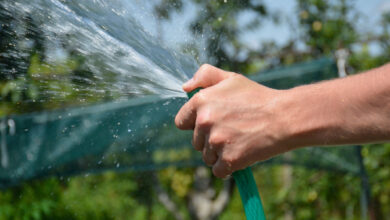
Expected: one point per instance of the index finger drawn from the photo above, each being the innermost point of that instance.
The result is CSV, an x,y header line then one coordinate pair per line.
x,y
186,117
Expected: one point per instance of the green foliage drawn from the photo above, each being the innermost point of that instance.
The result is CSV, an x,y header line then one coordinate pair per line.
x,y
377,164
180,180
327,25
86,197
218,20
105,196
362,60
216,23
294,192
32,200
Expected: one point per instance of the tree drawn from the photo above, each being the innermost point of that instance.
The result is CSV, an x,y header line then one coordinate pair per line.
x,y
216,25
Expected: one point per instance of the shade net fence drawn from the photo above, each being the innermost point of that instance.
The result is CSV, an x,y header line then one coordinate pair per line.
x,y
137,134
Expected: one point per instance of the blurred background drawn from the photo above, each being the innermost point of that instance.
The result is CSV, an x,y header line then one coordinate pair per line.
x,y
64,64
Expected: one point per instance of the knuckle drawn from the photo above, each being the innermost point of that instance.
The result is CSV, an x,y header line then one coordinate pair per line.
x,y
233,74
199,98
217,139
236,75
204,120
205,67
230,160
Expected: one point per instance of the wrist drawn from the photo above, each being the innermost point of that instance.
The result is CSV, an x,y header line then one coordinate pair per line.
x,y
309,113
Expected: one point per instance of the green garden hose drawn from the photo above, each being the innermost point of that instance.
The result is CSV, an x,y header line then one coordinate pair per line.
x,y
247,187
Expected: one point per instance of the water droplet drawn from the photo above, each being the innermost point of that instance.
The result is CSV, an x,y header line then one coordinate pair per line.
x,y
11,125
30,156
129,130
118,165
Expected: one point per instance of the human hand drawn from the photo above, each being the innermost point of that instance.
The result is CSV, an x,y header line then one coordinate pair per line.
x,y
235,120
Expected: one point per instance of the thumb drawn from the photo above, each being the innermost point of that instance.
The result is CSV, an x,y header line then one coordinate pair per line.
x,y
206,76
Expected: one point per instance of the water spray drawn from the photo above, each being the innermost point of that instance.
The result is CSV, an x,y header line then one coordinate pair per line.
x,y
247,187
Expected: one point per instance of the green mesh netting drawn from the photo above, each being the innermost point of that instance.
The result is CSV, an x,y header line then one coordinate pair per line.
x,y
137,134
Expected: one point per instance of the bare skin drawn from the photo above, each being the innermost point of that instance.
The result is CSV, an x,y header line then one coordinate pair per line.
x,y
238,122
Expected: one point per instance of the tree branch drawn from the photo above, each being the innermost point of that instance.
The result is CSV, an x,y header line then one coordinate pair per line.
x,y
165,200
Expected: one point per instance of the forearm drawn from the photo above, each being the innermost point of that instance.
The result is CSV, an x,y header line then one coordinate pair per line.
x,y
352,110
237,122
